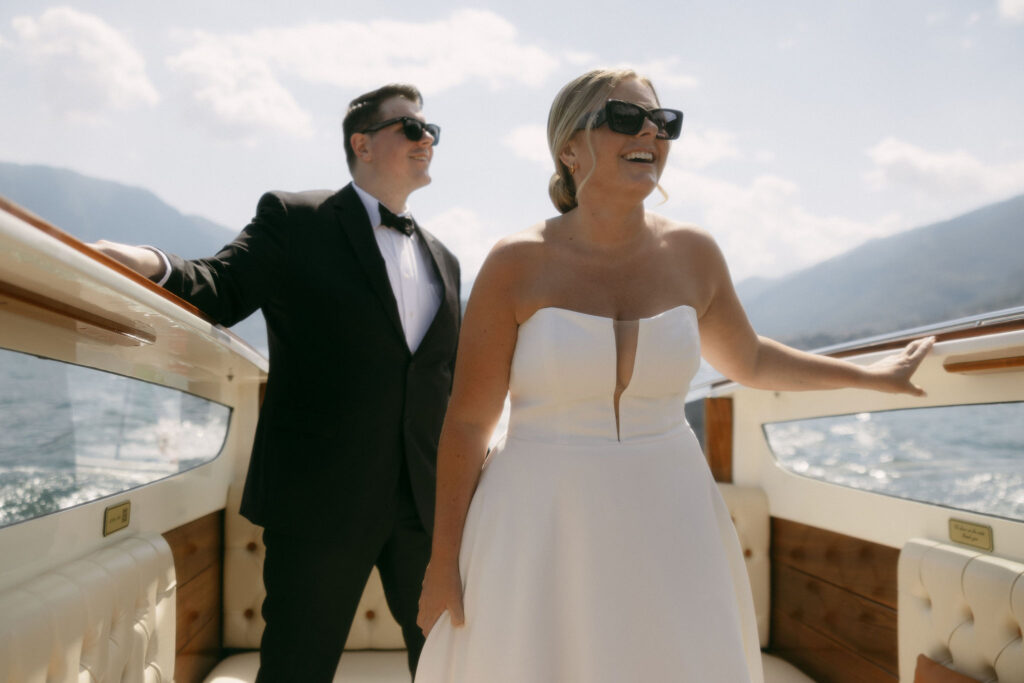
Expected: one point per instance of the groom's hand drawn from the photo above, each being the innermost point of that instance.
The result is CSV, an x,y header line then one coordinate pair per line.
x,y
442,590
142,260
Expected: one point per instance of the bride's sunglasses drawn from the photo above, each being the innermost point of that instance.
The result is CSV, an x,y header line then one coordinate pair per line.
x,y
628,118
413,128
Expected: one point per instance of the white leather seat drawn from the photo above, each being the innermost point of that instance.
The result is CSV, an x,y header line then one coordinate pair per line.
x,y
108,616
962,608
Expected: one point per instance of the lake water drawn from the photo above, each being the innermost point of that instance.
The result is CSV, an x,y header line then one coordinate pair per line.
x,y
70,434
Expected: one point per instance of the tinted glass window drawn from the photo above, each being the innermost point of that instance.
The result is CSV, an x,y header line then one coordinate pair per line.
x,y
69,434
969,457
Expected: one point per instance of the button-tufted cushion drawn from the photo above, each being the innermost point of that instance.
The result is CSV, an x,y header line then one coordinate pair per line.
x,y
372,628
106,617
748,507
962,608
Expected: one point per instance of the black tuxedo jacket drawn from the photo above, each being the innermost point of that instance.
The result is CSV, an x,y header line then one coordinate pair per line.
x,y
346,401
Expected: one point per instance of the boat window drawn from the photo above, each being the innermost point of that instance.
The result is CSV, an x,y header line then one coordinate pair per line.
x,y
966,457
71,434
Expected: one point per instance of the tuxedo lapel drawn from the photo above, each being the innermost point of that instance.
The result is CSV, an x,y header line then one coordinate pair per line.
x,y
450,298
355,225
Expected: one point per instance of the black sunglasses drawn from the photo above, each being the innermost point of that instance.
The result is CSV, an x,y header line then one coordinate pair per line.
x,y
413,128
628,118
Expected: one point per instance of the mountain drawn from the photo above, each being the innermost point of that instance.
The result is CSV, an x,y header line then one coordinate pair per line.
x,y
92,209
970,264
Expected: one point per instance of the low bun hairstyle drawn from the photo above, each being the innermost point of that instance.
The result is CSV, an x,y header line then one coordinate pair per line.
x,y
582,95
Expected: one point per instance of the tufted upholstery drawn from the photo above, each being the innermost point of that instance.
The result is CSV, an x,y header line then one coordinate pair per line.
x,y
372,629
106,617
963,608
748,507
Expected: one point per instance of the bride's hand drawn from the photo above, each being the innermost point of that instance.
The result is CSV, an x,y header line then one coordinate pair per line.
x,y
893,373
442,590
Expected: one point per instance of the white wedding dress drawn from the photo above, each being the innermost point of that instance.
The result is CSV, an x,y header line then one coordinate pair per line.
x,y
597,547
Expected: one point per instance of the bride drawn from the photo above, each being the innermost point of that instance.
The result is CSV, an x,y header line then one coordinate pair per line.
x,y
593,545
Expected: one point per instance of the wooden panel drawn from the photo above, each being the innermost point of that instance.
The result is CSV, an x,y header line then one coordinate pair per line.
x,y
199,602
197,545
988,365
861,625
820,657
197,657
198,549
718,437
862,567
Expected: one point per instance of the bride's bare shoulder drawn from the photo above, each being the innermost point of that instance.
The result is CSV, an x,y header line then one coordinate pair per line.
x,y
686,236
512,261
520,249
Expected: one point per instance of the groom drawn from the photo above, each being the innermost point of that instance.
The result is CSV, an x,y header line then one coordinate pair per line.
x,y
362,309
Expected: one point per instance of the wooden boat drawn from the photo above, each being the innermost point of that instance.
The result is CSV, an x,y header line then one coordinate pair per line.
x,y
152,575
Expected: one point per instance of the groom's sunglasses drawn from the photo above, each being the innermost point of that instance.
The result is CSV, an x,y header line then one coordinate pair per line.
x,y
628,118
413,128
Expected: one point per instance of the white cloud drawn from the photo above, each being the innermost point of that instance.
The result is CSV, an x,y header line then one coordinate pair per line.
x,y
466,234
700,149
665,73
530,142
229,72
85,66
237,93
577,58
762,227
1012,10
941,176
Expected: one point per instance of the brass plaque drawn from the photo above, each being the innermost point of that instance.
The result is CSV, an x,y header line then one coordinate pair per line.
x,y
968,533
116,517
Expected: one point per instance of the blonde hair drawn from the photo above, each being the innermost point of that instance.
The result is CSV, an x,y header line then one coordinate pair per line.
x,y
581,96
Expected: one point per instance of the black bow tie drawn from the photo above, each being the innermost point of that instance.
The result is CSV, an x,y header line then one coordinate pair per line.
x,y
403,224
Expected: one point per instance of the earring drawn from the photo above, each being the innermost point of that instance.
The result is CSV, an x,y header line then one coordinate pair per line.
x,y
572,170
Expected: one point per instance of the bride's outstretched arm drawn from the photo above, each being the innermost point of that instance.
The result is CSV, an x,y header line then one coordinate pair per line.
x,y
486,344
730,344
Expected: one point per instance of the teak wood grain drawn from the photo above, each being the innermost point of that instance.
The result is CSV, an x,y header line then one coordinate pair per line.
x,y
823,659
863,626
862,567
833,603
196,545
718,437
200,654
198,550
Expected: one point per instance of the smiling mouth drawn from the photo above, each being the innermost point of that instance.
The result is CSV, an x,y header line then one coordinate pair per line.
x,y
639,157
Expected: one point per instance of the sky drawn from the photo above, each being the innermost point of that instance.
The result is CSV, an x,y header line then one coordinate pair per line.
x,y
810,126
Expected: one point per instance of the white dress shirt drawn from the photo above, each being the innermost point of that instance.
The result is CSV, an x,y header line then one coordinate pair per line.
x,y
414,282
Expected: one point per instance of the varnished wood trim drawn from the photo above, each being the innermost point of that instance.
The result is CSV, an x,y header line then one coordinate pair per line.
x,y
120,332
865,627
197,545
718,437
861,567
820,657
989,365
198,656
199,602
83,248
198,550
